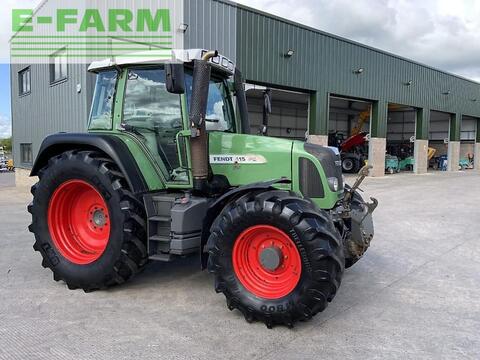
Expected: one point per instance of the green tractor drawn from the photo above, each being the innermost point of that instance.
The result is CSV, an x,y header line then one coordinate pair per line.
x,y
168,169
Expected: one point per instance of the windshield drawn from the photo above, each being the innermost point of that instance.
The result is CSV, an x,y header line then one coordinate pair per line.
x,y
219,115
102,107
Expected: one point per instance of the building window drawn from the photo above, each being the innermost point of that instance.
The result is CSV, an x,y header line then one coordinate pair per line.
x,y
26,155
58,66
24,79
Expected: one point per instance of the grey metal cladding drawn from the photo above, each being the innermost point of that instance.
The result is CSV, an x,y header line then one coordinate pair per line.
x,y
49,108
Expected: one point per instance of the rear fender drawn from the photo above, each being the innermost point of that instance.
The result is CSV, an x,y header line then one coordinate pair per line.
x,y
112,146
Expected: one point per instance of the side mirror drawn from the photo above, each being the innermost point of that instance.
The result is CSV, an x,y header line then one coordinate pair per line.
x,y
241,101
175,78
267,109
267,97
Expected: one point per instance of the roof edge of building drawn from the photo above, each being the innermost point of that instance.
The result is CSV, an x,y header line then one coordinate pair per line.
x,y
340,38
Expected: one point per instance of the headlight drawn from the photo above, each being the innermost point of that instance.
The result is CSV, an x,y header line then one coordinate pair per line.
x,y
333,183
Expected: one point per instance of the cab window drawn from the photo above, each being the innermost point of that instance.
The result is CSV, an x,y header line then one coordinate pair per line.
x,y
219,116
101,114
154,114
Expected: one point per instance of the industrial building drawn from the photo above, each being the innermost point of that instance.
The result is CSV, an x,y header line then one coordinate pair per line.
x,y
321,84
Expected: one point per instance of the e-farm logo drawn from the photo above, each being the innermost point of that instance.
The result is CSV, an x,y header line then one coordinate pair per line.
x,y
86,33
117,20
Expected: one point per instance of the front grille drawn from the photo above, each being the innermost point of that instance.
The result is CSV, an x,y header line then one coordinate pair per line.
x,y
330,161
310,182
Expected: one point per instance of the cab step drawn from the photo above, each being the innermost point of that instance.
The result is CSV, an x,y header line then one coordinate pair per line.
x,y
175,223
165,219
160,238
162,257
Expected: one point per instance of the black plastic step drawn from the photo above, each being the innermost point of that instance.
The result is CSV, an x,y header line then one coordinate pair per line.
x,y
160,238
165,198
159,218
161,257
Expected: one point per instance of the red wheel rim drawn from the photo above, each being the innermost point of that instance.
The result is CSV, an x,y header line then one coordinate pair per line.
x,y
79,221
270,282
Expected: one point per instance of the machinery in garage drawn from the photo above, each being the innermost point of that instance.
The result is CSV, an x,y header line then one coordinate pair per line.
x,y
400,136
438,138
392,165
468,131
354,149
151,180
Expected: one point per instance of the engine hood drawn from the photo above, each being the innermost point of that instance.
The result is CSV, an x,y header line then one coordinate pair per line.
x,y
246,159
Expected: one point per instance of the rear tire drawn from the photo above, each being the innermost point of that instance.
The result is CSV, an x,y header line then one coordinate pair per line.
x,y
72,246
292,223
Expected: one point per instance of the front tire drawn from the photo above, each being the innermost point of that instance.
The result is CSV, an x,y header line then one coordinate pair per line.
x,y
88,227
275,257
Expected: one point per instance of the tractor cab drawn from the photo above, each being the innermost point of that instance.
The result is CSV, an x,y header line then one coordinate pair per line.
x,y
155,96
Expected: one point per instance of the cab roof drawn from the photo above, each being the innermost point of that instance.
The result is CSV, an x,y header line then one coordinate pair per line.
x,y
141,58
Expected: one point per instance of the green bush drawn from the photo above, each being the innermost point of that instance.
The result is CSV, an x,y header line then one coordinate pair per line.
x,y
6,144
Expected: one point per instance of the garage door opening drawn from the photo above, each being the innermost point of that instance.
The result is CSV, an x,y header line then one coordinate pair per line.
x,y
289,116
349,129
438,139
467,142
401,120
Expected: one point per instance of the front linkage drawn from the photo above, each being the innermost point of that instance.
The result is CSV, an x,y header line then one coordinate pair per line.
x,y
353,217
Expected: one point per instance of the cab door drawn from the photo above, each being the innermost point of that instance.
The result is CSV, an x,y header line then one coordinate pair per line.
x,y
156,118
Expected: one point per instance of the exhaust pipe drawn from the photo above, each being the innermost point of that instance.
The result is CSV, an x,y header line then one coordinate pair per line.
x,y
198,109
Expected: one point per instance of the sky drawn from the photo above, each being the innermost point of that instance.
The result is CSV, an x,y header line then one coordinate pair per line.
x,y
441,33
5,123
5,33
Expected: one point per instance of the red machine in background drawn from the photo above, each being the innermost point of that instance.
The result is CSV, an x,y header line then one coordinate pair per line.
x,y
353,150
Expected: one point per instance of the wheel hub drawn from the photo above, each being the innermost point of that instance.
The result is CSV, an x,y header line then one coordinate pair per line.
x,y
266,261
271,258
99,218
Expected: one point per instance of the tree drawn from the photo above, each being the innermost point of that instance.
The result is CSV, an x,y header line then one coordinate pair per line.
x,y
6,144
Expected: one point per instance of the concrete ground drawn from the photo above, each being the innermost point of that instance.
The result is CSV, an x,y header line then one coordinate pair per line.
x,y
416,293
7,179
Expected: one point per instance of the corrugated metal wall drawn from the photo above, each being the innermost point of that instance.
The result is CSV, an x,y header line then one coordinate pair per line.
x,y
48,109
212,25
325,63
